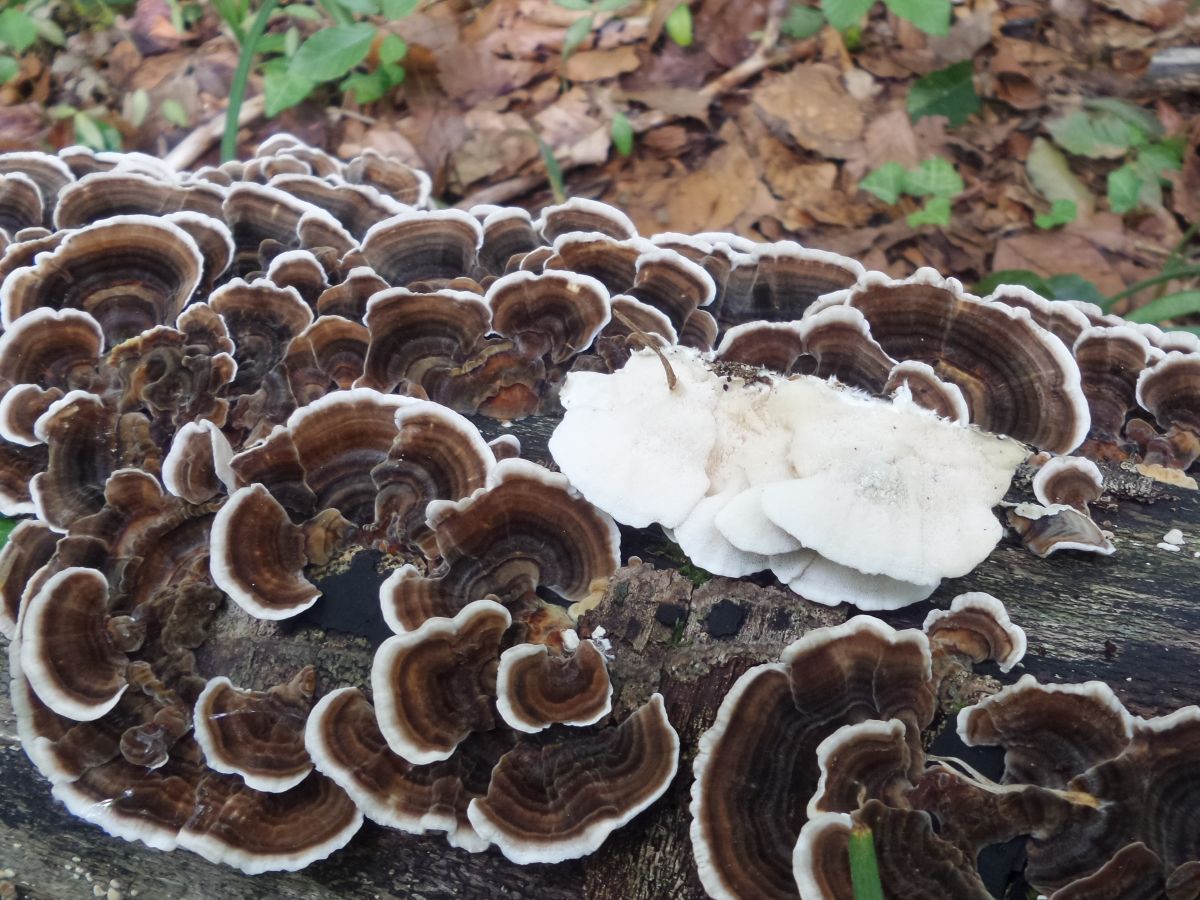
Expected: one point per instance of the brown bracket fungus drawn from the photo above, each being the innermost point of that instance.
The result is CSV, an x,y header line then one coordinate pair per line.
x,y
72,650
526,529
535,689
561,798
1070,480
435,685
258,735
758,765
265,577
976,626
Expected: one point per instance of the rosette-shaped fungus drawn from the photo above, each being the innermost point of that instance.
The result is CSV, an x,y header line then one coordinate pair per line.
x,y
758,764
750,471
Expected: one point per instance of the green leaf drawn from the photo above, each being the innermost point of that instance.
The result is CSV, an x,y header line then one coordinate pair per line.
x,y
622,134
1142,119
1124,185
362,7
931,16
1072,287
392,73
1051,174
137,107
87,132
948,92
9,68
333,52
398,9
274,43
367,87
50,32
864,867
303,13
173,112
611,5
1098,135
802,22
578,5
17,30
577,33
282,89
887,182
1171,306
553,171
6,527
392,49
1023,277
679,25
935,177
936,211
1155,159
1062,212
843,14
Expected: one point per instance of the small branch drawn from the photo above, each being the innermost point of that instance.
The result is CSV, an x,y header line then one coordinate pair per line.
x,y
196,144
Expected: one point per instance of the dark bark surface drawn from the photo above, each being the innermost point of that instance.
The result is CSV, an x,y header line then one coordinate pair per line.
x,y
1130,620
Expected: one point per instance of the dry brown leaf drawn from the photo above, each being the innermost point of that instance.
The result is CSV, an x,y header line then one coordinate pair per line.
x,y
572,129
1155,13
673,101
1062,254
810,105
498,146
595,65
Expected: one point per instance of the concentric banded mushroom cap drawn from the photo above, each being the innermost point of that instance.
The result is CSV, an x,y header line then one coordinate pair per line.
x,y
1110,360
559,799
1071,480
535,690
412,333
128,272
778,281
1170,389
52,348
907,849
263,832
526,530
258,735
49,173
977,626
301,270
356,206
18,466
339,439
436,455
582,214
1048,529
349,297
672,284
274,463
196,467
928,391
556,313
435,685
258,556
773,345
1143,794
29,547
757,765
1018,378
72,652
422,246
1051,732
399,181
80,429
345,743
871,760
839,339
101,195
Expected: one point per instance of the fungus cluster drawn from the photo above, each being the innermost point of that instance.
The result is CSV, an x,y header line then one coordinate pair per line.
x,y
214,383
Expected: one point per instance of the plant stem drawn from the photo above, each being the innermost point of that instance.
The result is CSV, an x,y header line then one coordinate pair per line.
x,y
237,90
1186,272
864,868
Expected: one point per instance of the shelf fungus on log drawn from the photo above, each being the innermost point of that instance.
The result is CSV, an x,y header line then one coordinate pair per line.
x,y
525,530
435,685
224,383
258,735
536,689
559,797
758,764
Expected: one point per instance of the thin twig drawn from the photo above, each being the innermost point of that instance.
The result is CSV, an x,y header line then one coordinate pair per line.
x,y
648,341
196,144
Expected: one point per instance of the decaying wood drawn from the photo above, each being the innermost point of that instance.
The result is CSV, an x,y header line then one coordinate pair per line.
x,y
1130,620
